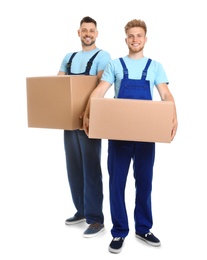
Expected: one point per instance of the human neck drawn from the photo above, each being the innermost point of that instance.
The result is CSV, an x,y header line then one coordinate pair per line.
x,y
88,48
136,55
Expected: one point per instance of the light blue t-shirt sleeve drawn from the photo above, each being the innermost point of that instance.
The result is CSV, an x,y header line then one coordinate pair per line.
x,y
157,73
102,59
63,66
109,73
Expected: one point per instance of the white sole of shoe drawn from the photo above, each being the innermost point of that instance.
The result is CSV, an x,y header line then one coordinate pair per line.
x,y
148,242
93,235
115,251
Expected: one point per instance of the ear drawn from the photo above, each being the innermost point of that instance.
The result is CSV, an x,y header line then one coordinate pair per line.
x,y
145,39
78,33
126,40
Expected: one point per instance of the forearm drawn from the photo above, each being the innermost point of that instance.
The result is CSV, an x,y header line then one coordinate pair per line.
x,y
98,92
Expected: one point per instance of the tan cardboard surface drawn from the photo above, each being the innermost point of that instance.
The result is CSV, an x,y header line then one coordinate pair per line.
x,y
57,101
132,120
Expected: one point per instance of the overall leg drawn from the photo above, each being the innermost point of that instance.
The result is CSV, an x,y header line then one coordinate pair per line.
x,y
74,170
93,187
143,174
119,157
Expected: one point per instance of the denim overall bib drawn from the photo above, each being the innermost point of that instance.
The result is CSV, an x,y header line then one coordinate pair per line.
x,y
83,167
120,154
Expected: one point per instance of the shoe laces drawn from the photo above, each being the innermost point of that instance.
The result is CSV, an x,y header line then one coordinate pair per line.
x,y
116,238
94,225
148,234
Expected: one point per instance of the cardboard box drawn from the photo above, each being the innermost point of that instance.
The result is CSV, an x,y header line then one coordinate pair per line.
x,y
57,101
130,119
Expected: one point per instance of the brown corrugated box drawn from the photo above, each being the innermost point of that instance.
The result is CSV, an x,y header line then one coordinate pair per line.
x,y
57,101
131,120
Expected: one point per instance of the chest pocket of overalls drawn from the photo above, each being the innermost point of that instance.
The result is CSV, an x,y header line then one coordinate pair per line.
x,y
88,67
133,88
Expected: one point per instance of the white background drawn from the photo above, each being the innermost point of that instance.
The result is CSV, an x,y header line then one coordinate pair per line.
x,y
34,194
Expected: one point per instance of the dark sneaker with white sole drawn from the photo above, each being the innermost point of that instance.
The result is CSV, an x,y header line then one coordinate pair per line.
x,y
74,220
149,238
93,230
116,245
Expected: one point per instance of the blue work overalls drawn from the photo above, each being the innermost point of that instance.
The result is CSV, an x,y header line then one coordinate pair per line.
x,y
120,154
84,168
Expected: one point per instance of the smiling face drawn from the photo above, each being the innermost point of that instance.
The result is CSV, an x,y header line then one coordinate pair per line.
x,y
136,39
88,34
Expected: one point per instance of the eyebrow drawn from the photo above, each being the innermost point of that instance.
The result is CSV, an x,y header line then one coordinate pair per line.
x,y
137,34
88,29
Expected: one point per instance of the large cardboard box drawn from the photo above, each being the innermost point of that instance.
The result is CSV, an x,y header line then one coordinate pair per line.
x,y
57,101
131,120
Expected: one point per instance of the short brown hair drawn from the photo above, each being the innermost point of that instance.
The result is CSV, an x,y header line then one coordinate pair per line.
x,y
135,23
88,19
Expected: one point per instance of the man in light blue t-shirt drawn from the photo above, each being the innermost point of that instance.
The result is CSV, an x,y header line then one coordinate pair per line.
x,y
134,77
83,155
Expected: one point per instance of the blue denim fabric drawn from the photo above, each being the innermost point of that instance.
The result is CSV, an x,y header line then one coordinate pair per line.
x,y
84,174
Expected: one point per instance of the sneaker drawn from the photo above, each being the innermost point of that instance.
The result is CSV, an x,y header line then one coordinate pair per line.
x,y
116,245
74,220
93,230
149,238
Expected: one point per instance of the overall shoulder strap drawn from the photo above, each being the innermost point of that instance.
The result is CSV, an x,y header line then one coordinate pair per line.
x,y
70,62
144,72
90,62
124,67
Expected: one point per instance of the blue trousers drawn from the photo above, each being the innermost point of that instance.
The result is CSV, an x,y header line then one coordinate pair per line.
x,y
83,161
120,154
